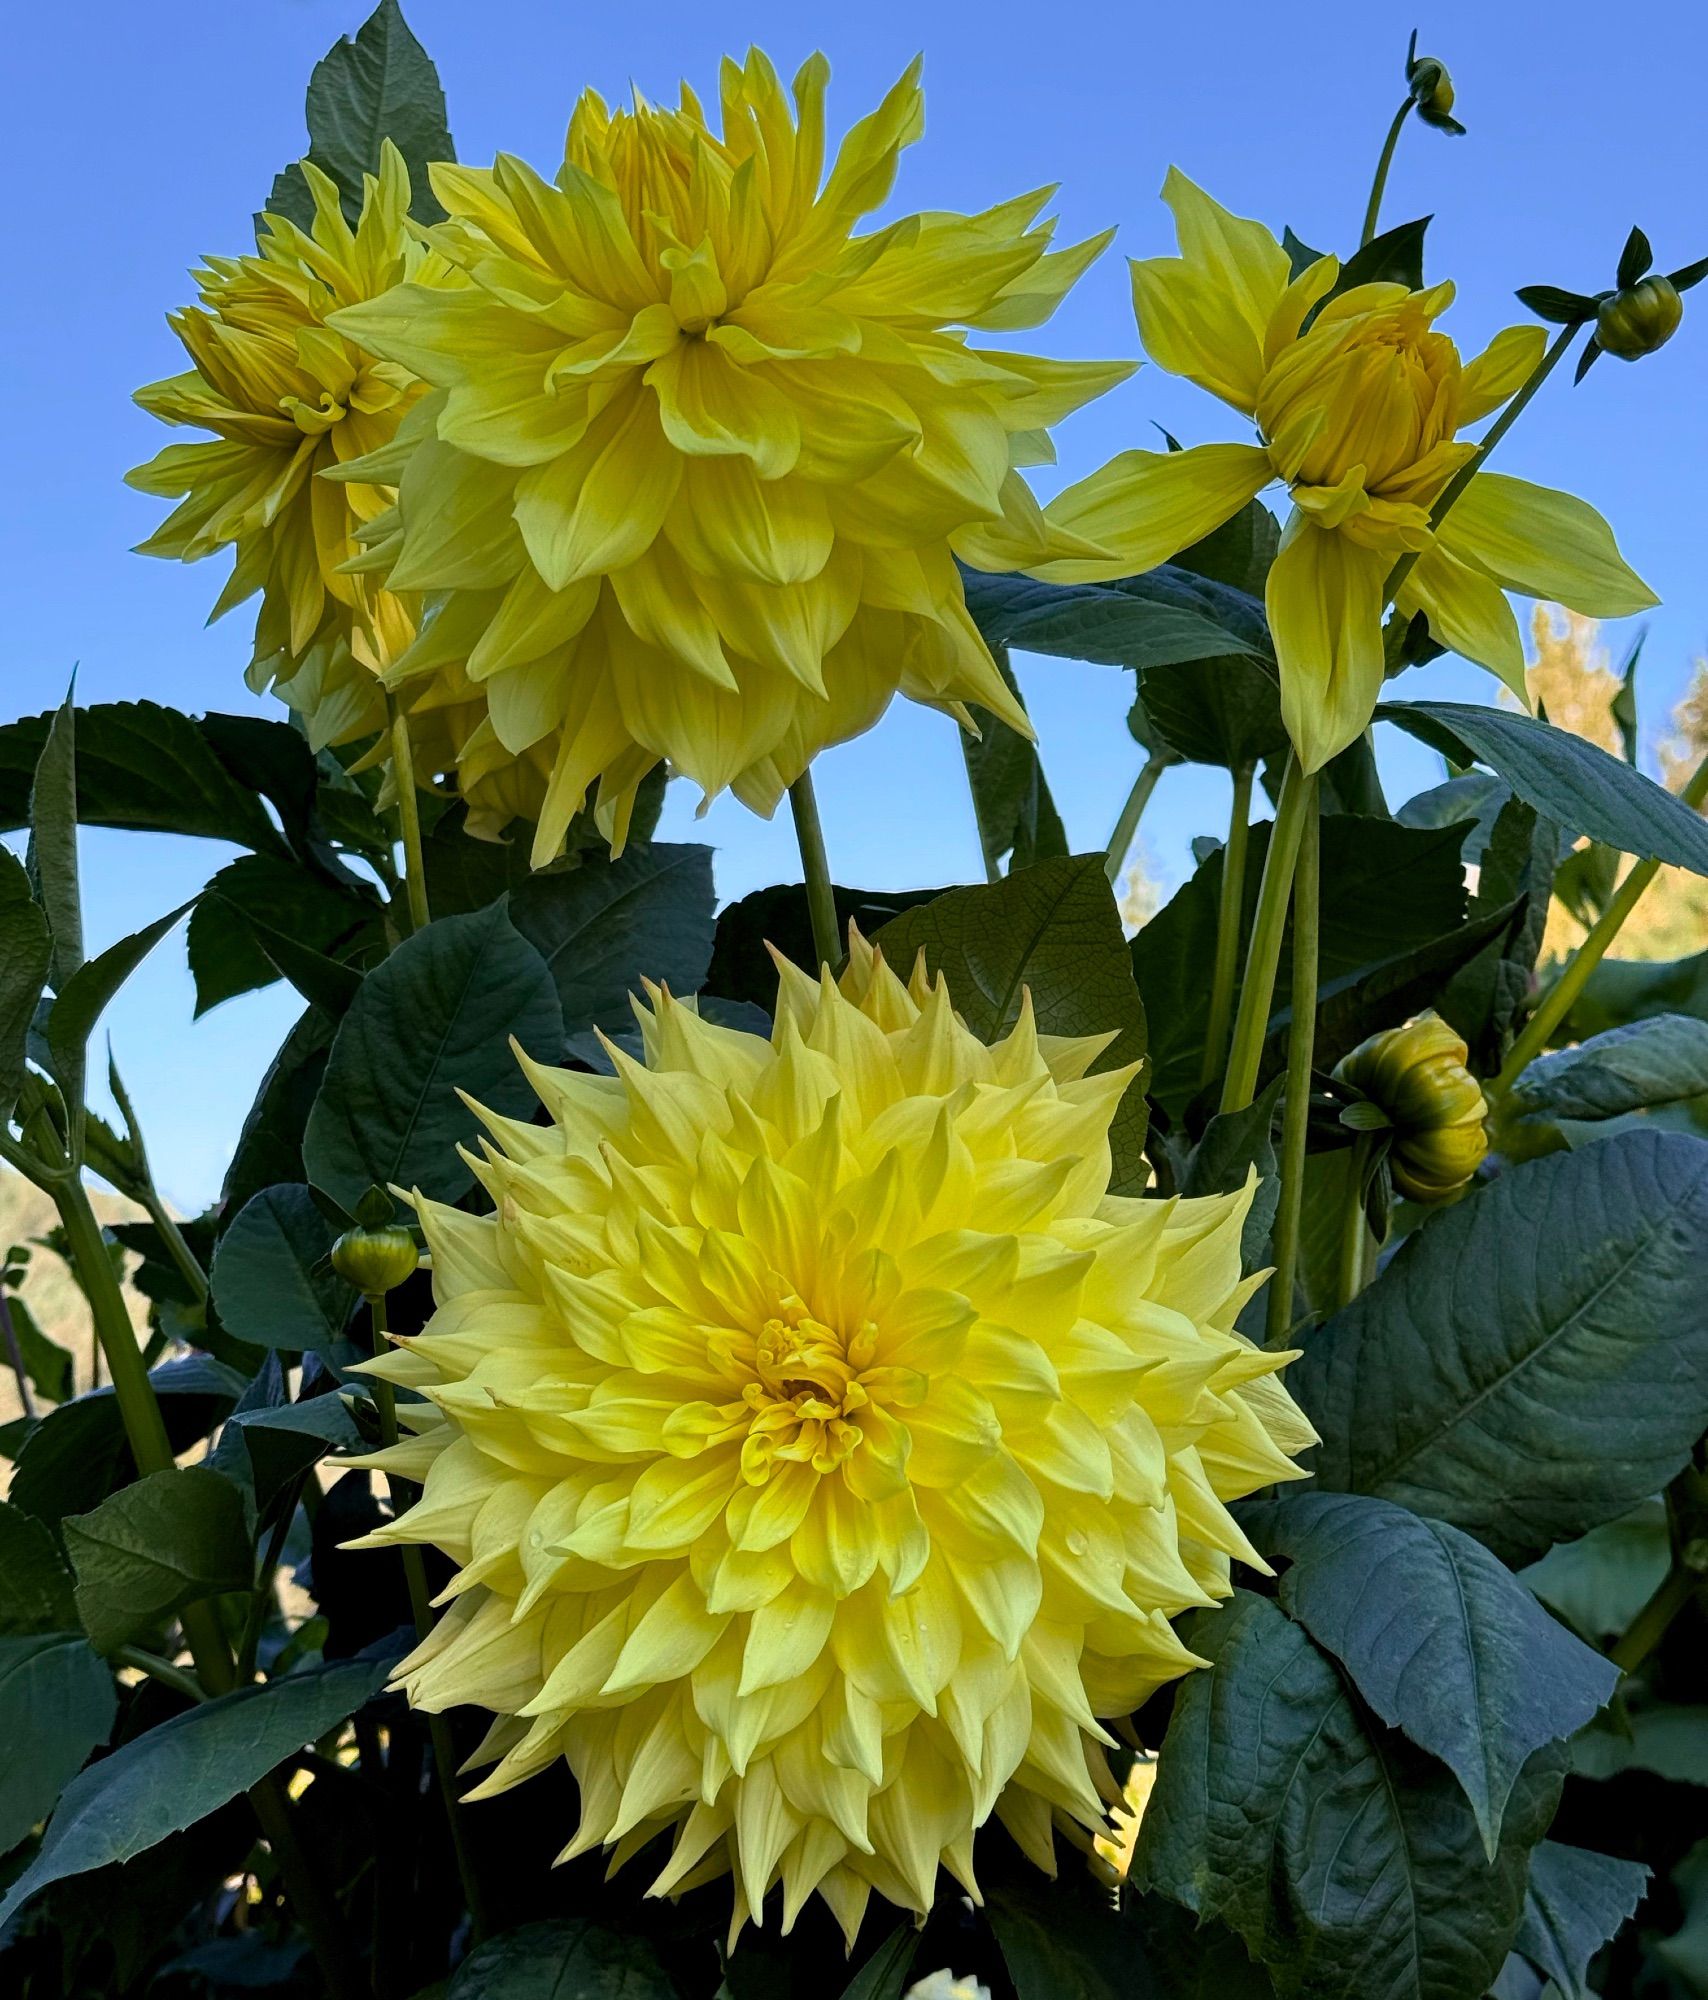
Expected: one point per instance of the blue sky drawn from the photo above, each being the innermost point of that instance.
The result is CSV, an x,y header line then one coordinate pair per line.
x,y
144,137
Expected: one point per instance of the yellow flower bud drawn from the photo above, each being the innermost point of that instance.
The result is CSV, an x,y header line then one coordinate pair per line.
x,y
1417,1075
375,1261
1639,318
1431,90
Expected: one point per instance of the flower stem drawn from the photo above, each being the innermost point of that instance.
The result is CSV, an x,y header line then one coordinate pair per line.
x,y
1555,354
1227,928
1354,1227
1379,186
189,1269
139,1407
1650,1626
1301,1040
1562,996
815,865
1263,953
15,1355
1127,824
408,816
421,1610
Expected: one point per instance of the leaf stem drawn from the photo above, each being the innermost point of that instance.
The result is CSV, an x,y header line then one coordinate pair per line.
x,y
421,1610
815,865
408,815
1301,1040
1379,186
1562,996
1650,1626
189,1269
139,1407
261,1597
159,1670
1355,1226
1227,928
15,1355
1127,823
1263,952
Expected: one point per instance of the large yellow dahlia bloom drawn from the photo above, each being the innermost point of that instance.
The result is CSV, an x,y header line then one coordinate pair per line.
x,y
701,457
822,1447
1359,417
288,398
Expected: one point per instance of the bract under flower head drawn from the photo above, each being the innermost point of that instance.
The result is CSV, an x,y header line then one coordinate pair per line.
x,y
702,457
1359,411
288,398
821,1446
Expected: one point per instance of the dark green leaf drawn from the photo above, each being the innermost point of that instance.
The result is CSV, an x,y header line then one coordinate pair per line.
x,y
48,1366
1235,1142
567,1958
1535,1360
1623,707
268,760
741,967
1564,777
379,84
1600,1582
26,955
605,926
53,843
1166,615
880,1978
1347,1859
435,1019
146,768
1016,815
1477,797
187,1767
1575,1902
269,1148
35,1585
272,1283
1439,1638
57,1703
1300,255
1549,302
1653,1061
1393,258
1487,994
268,1449
1670,1741
77,1454
167,1541
262,906
84,997
1066,1940
1634,259
1225,711
1238,553
1053,930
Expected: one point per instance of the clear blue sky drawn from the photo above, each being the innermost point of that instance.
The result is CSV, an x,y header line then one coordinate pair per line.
x,y
139,138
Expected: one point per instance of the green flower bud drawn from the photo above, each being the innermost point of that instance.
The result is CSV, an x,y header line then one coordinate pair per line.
x,y
1431,90
375,1261
1639,318
1417,1075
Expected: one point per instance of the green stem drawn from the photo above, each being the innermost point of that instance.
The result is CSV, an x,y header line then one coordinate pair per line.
x,y
159,1670
149,1195
1474,464
815,864
1379,186
15,1355
421,1610
1301,1040
139,1407
1263,953
1562,996
408,816
1649,1627
1127,822
261,1598
1354,1226
1227,928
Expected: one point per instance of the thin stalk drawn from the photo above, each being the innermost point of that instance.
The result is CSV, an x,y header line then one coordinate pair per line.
x,y
139,1408
1301,1041
815,865
1127,822
1227,928
992,861
421,1610
261,1598
159,1670
15,1355
408,816
1354,1226
1379,186
1491,437
189,1269
1263,953
1562,996
1650,1626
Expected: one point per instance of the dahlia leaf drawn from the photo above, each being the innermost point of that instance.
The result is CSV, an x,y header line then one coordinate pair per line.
x,y
83,998
272,1285
1534,1361
558,1958
1438,1637
606,925
1486,997
1346,1858
1053,931
52,855
1166,616
263,916
155,1546
57,1703
267,1450
1067,1940
1017,816
173,1775
35,1583
1632,1068
1575,1902
26,952
742,970
1225,712
1564,776
269,1147
434,1020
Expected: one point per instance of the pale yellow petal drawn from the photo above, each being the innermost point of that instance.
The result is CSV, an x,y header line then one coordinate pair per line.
x,y
1145,506
1324,599
1544,543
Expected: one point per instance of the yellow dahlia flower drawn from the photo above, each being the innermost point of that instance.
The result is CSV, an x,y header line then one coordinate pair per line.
x,y
701,457
822,1447
1359,417
287,398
